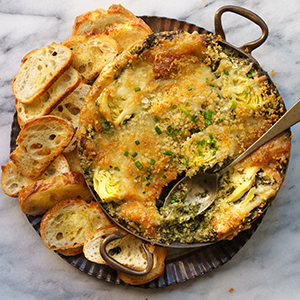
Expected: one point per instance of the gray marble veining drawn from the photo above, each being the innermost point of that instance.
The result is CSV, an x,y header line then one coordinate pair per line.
x,y
267,267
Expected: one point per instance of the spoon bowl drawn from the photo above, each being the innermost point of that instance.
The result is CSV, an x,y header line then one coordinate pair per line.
x,y
202,188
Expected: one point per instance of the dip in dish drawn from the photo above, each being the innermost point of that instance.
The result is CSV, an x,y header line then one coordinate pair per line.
x,y
172,105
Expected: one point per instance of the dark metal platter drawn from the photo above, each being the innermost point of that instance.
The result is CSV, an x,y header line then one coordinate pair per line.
x,y
181,264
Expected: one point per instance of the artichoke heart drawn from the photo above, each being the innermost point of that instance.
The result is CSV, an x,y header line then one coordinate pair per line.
x,y
107,185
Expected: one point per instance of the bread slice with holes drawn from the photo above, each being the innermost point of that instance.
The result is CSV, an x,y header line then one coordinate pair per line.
x,y
39,69
129,33
39,142
127,251
92,52
100,18
38,197
157,271
69,109
68,224
43,105
13,181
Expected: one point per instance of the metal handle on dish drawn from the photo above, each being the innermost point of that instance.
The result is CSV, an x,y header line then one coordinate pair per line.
x,y
118,234
248,47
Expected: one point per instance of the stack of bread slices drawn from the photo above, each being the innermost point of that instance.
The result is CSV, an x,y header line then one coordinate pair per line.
x,y
44,171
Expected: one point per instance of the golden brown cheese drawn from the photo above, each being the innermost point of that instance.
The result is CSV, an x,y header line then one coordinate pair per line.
x,y
177,103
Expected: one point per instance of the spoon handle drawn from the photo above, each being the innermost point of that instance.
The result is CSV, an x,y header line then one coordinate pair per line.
x,y
290,118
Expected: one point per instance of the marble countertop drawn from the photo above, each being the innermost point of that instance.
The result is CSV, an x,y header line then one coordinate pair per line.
x,y
267,267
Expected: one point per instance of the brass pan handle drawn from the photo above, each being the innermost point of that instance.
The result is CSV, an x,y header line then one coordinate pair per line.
x,y
118,234
249,47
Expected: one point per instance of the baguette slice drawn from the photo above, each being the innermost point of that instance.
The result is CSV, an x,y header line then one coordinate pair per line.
x,y
39,142
73,160
157,271
40,196
69,109
71,251
60,89
68,224
39,69
91,53
129,33
128,250
100,18
13,181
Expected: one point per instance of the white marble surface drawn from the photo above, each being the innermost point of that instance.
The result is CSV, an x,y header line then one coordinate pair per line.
x,y
268,267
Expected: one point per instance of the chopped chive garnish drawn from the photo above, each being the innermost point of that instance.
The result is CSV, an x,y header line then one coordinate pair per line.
x,y
149,170
226,72
168,153
158,131
230,97
200,153
175,69
126,153
214,153
137,142
180,132
148,97
138,165
190,88
247,92
208,118
184,110
137,89
152,162
107,127
174,106
137,177
218,95
134,154
233,105
155,119
117,169
212,85
164,176
148,183
124,122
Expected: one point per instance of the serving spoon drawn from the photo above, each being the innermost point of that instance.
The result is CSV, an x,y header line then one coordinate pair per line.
x,y
202,188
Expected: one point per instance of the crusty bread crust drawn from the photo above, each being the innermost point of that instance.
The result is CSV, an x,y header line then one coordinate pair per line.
x,y
40,196
68,224
92,52
39,142
100,18
13,181
43,105
129,33
39,69
156,271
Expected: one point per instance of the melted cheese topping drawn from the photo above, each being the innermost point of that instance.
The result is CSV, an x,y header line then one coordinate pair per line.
x,y
178,106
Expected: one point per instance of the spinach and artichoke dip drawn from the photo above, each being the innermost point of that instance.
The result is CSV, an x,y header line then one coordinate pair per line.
x,y
176,104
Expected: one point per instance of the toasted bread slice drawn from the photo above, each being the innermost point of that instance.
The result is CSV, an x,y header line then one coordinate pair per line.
x,y
73,160
91,53
127,251
13,181
69,109
68,224
158,270
39,69
100,18
129,33
39,142
60,89
71,251
91,246
38,197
